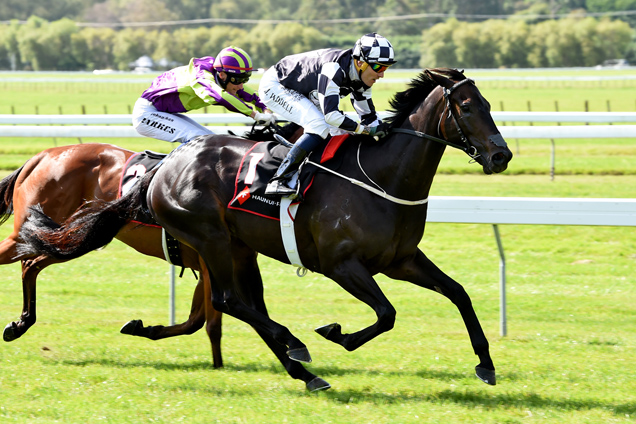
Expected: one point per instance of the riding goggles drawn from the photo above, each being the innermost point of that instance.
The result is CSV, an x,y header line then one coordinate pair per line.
x,y
241,78
378,67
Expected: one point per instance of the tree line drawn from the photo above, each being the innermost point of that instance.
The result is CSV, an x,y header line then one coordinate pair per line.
x,y
63,45
126,11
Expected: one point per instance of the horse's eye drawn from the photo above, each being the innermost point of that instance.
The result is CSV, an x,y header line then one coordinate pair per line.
x,y
465,107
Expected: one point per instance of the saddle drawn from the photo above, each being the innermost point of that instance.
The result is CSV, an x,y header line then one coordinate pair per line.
x,y
259,165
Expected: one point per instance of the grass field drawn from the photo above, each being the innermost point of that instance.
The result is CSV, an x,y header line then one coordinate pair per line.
x,y
568,357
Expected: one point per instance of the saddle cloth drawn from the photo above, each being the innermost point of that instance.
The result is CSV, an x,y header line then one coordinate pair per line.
x,y
135,168
259,165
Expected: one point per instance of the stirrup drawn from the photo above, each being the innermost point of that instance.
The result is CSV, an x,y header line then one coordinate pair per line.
x,y
280,188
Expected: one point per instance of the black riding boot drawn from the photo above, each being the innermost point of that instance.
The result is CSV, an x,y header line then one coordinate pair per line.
x,y
279,182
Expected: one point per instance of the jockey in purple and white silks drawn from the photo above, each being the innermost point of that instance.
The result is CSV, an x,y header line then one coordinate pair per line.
x,y
205,81
306,88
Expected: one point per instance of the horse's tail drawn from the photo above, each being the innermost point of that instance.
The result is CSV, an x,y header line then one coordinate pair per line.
x,y
7,186
92,226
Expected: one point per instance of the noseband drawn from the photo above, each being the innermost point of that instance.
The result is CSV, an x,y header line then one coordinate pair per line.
x,y
465,145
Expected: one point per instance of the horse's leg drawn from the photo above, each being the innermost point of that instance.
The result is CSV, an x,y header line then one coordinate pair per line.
x,y
356,279
213,326
422,272
216,250
7,250
200,312
147,240
213,318
249,279
30,270
195,322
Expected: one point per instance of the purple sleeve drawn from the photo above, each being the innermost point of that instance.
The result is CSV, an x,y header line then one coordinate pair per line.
x,y
249,96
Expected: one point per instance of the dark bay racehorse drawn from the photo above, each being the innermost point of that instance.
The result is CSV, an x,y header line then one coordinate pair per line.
x,y
343,231
63,179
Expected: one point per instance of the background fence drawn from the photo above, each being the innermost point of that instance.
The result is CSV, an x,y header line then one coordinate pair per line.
x,y
480,210
100,125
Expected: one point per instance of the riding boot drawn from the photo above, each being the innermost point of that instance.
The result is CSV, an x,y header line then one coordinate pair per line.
x,y
282,182
279,182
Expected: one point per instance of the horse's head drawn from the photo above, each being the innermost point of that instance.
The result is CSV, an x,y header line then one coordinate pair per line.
x,y
466,121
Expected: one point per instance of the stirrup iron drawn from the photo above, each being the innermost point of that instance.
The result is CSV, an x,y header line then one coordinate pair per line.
x,y
280,187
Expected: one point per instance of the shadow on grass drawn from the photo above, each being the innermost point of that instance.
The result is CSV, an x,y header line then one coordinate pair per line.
x,y
272,367
464,397
171,366
475,399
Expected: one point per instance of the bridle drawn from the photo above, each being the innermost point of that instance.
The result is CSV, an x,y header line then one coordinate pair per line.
x,y
464,145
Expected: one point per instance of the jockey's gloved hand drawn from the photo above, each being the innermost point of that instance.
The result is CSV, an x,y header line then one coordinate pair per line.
x,y
264,118
378,131
382,130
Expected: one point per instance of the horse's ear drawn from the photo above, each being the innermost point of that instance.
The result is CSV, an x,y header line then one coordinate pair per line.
x,y
429,75
439,78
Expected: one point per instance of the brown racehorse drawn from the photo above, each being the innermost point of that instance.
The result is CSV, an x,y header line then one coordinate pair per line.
x,y
344,231
63,179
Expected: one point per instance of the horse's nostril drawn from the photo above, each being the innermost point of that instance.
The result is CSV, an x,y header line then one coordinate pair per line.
x,y
499,158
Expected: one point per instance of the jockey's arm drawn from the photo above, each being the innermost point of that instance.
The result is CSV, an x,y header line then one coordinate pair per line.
x,y
212,94
329,97
363,105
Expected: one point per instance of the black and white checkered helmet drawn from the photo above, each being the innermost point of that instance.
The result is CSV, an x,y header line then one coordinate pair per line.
x,y
374,48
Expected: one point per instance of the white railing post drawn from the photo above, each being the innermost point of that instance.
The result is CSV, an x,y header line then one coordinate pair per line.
x,y
503,323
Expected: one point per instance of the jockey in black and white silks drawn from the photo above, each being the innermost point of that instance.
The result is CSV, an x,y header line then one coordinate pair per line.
x,y
306,89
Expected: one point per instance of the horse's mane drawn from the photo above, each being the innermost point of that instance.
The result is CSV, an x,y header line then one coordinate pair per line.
x,y
267,133
403,103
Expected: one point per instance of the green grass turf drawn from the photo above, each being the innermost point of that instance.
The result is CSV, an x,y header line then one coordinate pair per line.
x,y
568,356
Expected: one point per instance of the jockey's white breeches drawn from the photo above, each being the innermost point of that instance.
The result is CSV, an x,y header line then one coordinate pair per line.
x,y
291,105
148,121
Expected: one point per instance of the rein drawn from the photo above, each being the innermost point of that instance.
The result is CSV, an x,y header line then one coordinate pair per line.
x,y
367,187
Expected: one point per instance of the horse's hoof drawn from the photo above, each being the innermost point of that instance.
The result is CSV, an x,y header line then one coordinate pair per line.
x,y
131,327
10,332
487,376
300,354
318,384
328,329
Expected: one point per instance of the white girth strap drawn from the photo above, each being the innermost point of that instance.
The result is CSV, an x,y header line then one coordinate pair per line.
x,y
164,246
287,216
